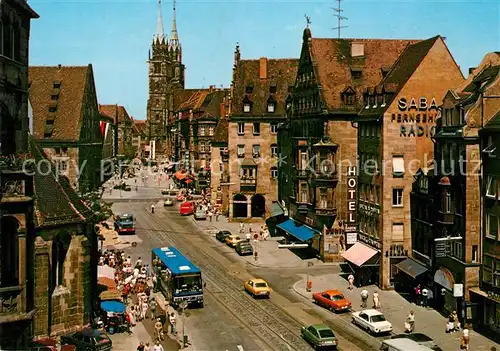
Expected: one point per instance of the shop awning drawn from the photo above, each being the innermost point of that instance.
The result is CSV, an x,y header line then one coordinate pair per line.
x,y
275,210
411,267
113,306
106,272
359,254
298,230
107,282
179,175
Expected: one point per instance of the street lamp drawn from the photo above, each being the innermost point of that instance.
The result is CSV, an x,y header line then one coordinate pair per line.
x,y
183,305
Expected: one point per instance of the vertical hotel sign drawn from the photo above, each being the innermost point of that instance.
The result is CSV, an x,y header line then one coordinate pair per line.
x,y
350,225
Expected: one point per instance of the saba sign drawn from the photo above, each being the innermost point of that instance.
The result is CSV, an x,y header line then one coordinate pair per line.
x,y
416,117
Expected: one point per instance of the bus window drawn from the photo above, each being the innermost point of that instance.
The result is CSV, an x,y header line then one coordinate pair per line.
x,y
188,283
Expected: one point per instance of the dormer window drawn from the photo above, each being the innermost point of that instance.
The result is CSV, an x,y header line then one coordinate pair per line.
x,y
383,100
348,96
366,100
247,105
271,105
57,84
249,89
272,89
288,103
356,72
384,71
380,99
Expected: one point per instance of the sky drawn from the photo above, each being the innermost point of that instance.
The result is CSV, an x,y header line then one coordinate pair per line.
x,y
115,36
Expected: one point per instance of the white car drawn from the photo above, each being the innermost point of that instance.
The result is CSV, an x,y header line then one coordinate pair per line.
x,y
372,320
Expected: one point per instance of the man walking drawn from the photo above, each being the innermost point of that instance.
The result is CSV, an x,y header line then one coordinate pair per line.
x,y
425,296
364,298
173,322
350,279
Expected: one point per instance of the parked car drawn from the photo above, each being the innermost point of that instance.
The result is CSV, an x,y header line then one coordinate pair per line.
x,y
320,335
49,344
420,339
222,235
257,287
168,202
186,208
169,192
180,197
232,240
334,300
89,340
124,224
200,214
244,248
372,320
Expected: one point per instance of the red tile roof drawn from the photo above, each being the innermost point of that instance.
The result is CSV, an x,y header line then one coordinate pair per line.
x,y
221,133
334,62
279,73
140,126
68,116
117,112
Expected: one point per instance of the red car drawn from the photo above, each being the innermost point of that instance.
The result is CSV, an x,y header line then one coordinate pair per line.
x,y
334,300
186,208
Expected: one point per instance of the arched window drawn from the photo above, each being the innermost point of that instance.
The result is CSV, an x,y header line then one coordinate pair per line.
x,y
60,245
9,252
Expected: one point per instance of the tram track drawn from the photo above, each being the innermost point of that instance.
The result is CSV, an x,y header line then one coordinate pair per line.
x,y
267,321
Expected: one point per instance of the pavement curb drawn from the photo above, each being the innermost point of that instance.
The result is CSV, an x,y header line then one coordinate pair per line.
x,y
297,291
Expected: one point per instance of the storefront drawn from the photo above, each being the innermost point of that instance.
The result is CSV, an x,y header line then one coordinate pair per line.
x,y
364,262
444,291
409,274
299,233
488,314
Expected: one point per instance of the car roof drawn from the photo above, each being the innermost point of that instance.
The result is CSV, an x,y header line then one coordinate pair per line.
x,y
320,326
235,235
405,344
371,312
258,280
333,292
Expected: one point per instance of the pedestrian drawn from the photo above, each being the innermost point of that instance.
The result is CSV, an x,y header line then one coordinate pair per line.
x,y
172,320
210,215
242,227
157,346
158,329
425,296
145,308
411,322
152,208
138,263
465,338
430,297
456,323
147,347
376,301
217,214
350,279
248,236
364,298
140,347
152,308
418,294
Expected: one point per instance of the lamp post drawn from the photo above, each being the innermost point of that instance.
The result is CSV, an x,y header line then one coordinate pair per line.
x,y
183,305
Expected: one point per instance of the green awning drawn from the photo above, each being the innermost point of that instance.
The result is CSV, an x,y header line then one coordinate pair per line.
x,y
276,210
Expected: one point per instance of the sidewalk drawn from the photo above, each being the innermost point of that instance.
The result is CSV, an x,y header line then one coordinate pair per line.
x,y
269,255
148,190
396,309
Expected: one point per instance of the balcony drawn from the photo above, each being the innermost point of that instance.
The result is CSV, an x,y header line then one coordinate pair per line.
x,y
326,174
326,210
303,207
248,183
9,301
446,218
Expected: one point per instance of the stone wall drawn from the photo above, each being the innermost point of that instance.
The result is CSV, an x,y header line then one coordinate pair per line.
x,y
42,286
72,160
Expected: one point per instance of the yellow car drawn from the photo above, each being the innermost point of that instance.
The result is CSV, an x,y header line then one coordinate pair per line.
x,y
232,240
257,287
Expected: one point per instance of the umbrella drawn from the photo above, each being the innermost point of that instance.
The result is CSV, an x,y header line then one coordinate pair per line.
x,y
110,295
113,306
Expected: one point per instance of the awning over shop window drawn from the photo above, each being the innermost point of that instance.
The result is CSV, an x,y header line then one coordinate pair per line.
x,y
275,210
359,254
445,278
298,230
179,175
411,267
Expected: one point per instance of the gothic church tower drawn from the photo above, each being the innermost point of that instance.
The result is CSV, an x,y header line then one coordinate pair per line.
x,y
166,76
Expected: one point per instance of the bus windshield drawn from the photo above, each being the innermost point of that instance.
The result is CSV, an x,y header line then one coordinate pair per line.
x,y
187,283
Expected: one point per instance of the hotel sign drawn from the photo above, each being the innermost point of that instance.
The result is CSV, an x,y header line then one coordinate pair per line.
x,y
416,117
350,223
369,209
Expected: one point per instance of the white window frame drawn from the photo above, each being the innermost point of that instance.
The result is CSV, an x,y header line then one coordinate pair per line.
x,y
202,146
274,172
241,150
256,150
398,164
491,186
274,128
303,194
211,131
247,107
323,198
256,131
202,131
303,160
241,128
488,220
274,150
271,107
399,193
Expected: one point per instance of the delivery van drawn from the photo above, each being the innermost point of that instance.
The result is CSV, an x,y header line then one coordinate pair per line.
x,y
402,345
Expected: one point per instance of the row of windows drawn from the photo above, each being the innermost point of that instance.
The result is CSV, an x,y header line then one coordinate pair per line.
x,y
370,193
247,107
204,147
369,226
491,270
10,36
202,131
453,116
251,173
256,150
325,197
370,130
256,128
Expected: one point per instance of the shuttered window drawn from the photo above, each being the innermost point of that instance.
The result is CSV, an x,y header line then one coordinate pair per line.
x,y
397,232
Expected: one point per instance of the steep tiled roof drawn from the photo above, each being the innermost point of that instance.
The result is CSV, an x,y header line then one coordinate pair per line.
x,y
56,201
123,116
179,97
140,126
280,73
43,82
402,70
334,63
110,111
213,106
194,101
221,131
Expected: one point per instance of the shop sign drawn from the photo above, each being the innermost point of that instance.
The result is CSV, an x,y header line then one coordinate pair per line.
x,y
458,290
309,221
369,209
350,223
367,240
352,238
416,117
441,249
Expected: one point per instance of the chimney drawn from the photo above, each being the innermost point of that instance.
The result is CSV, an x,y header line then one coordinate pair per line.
x,y
59,66
263,68
357,50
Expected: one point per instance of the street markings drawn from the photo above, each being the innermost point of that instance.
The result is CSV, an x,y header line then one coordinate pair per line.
x,y
240,348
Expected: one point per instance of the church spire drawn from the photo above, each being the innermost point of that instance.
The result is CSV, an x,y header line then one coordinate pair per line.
x,y
160,33
174,36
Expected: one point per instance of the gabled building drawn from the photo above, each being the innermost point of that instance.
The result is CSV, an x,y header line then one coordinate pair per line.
x,y
260,96
124,126
395,127
109,134
66,121
319,142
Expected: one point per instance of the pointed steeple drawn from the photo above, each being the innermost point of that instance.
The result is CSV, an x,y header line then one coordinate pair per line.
x,y
174,36
160,33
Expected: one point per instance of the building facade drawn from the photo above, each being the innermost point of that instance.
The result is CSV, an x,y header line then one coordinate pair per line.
x,y
395,129
124,125
139,137
166,79
66,121
260,95
219,173
109,134
17,196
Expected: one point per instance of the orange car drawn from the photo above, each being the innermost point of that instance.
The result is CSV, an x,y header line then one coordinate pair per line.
x,y
186,208
334,300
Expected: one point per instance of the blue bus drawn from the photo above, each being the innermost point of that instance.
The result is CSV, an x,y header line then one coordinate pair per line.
x,y
177,277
